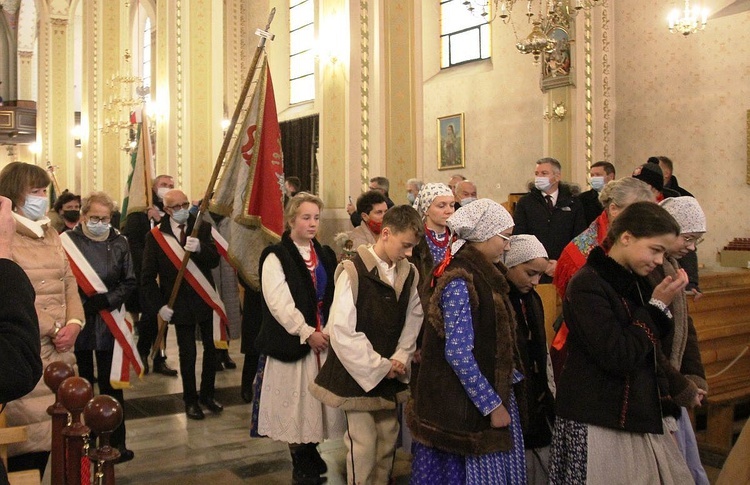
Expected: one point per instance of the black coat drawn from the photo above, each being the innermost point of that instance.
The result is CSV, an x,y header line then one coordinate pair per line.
x,y
189,307
609,378
592,208
20,344
554,229
110,260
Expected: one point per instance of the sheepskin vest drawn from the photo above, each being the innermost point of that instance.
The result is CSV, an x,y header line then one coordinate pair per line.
x,y
442,415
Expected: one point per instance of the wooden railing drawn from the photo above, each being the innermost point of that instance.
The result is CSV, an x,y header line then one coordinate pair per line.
x,y
722,320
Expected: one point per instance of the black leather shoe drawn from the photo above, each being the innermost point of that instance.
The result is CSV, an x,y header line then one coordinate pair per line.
x,y
313,455
144,359
228,362
219,366
247,395
164,369
213,405
194,411
125,455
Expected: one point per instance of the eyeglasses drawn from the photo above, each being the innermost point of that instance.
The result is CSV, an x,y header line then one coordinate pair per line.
x,y
504,237
693,240
184,205
97,220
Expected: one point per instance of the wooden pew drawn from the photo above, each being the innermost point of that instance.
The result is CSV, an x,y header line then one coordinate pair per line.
x,y
722,321
15,434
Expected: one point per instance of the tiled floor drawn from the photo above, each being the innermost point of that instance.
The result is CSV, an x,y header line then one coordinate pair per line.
x,y
170,449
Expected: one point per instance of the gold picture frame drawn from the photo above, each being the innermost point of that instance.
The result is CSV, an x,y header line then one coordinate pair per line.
x,y
450,145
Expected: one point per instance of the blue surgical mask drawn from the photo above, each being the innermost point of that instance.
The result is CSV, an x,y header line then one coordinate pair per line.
x,y
181,216
97,229
35,207
597,183
542,183
467,201
411,198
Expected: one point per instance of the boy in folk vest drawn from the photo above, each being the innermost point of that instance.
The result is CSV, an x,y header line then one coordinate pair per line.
x,y
374,322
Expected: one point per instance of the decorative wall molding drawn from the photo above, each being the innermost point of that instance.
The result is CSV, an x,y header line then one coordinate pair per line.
x,y
364,44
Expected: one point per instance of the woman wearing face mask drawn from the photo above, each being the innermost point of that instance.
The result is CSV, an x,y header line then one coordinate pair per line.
x,y
464,415
68,208
682,347
609,422
101,261
37,249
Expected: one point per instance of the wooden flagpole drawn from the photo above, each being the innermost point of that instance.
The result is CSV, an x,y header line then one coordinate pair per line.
x,y
264,34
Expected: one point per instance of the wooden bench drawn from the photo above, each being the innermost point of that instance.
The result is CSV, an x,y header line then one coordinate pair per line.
x,y
722,321
10,435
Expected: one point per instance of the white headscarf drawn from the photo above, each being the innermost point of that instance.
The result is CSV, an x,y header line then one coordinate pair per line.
x,y
477,222
523,247
687,212
427,195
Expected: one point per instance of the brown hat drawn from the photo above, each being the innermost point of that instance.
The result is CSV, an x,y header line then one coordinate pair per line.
x,y
651,174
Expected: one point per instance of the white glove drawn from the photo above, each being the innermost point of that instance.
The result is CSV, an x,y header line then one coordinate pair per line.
x,y
192,244
166,313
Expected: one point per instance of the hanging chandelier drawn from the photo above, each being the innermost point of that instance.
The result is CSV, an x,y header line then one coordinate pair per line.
x,y
537,42
688,21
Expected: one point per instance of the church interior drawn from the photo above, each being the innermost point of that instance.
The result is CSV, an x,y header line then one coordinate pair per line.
x,y
378,81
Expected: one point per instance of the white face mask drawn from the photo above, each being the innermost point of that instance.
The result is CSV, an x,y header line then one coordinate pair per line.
x,y
597,183
97,229
35,207
162,191
542,183
181,216
467,201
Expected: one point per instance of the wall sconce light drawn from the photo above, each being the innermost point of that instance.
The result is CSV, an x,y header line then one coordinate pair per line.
x,y
558,112
332,46
225,125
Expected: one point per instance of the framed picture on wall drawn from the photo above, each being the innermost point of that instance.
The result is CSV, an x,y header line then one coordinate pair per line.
x,y
557,67
451,142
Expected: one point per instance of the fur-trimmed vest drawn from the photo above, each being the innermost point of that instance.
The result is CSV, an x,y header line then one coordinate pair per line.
x,y
273,340
442,415
381,315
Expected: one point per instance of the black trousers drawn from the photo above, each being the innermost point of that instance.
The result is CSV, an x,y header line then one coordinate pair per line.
x,y
251,318
85,360
188,353
148,330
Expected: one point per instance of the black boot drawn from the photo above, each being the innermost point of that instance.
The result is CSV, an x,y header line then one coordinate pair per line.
x,y
314,456
303,470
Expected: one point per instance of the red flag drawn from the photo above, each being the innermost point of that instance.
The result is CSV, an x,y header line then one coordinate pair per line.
x,y
251,187
267,196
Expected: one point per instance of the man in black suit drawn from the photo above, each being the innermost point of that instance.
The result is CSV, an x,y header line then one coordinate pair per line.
x,y
550,211
136,227
190,309
600,174
20,345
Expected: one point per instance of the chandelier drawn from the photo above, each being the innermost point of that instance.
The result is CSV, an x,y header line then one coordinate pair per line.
x,y
118,109
689,20
558,12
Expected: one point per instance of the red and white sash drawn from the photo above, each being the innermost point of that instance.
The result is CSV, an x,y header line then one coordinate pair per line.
x,y
200,284
221,244
125,353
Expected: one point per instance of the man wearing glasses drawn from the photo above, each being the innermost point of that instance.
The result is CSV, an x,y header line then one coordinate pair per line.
x,y
136,227
195,305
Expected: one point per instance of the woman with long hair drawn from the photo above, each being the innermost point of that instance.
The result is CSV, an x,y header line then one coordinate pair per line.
x,y
297,278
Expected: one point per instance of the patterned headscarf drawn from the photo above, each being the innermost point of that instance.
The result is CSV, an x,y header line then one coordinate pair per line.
x,y
477,222
687,212
427,195
523,247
